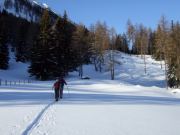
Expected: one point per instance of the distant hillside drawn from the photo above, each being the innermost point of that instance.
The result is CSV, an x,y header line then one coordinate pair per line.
x,y
30,10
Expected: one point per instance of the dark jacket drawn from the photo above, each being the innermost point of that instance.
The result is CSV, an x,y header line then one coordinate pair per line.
x,y
62,82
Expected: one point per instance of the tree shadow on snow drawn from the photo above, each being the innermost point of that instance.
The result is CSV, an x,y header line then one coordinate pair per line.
x,y
36,98
74,98
145,82
25,98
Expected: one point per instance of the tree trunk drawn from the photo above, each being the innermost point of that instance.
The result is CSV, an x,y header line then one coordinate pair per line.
x,y
145,63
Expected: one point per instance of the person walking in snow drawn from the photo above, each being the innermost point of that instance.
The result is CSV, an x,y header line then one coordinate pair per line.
x,y
62,82
56,87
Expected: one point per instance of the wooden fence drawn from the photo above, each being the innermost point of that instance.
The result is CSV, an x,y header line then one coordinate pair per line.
x,y
16,82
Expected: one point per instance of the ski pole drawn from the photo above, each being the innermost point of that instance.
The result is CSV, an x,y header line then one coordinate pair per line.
x,y
68,90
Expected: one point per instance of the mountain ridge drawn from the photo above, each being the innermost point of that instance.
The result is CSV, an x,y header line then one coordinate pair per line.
x,y
28,9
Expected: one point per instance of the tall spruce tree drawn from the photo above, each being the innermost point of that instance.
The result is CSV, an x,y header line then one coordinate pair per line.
x,y
121,43
4,54
40,58
67,30
151,42
173,57
21,44
57,39
4,51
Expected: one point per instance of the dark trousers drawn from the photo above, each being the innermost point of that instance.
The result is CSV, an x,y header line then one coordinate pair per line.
x,y
56,91
61,93
61,90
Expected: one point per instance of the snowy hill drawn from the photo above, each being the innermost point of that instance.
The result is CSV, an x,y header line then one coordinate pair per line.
x,y
129,70
27,9
17,70
134,103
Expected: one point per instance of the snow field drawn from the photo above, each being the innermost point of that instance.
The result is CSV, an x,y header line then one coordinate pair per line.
x,y
134,103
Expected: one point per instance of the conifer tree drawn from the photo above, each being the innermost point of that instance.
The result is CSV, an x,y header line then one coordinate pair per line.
x,y
4,54
21,44
40,60
151,48
4,51
125,44
67,29
66,45
121,43
118,43
57,39
173,58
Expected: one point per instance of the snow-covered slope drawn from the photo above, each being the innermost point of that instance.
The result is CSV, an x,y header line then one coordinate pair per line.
x,y
134,103
18,9
17,70
27,9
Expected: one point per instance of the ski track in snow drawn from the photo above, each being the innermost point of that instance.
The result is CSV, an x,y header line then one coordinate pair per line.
x,y
48,120
37,121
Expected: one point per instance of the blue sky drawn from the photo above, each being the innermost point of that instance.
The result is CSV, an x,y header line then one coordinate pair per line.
x,y
116,12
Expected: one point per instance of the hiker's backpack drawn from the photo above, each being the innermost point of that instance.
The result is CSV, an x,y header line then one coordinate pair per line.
x,y
57,85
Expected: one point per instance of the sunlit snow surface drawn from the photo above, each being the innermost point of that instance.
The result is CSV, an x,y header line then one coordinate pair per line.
x,y
134,103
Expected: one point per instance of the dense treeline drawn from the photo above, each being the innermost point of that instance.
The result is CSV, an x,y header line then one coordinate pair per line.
x,y
55,45
19,33
53,48
63,46
52,54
